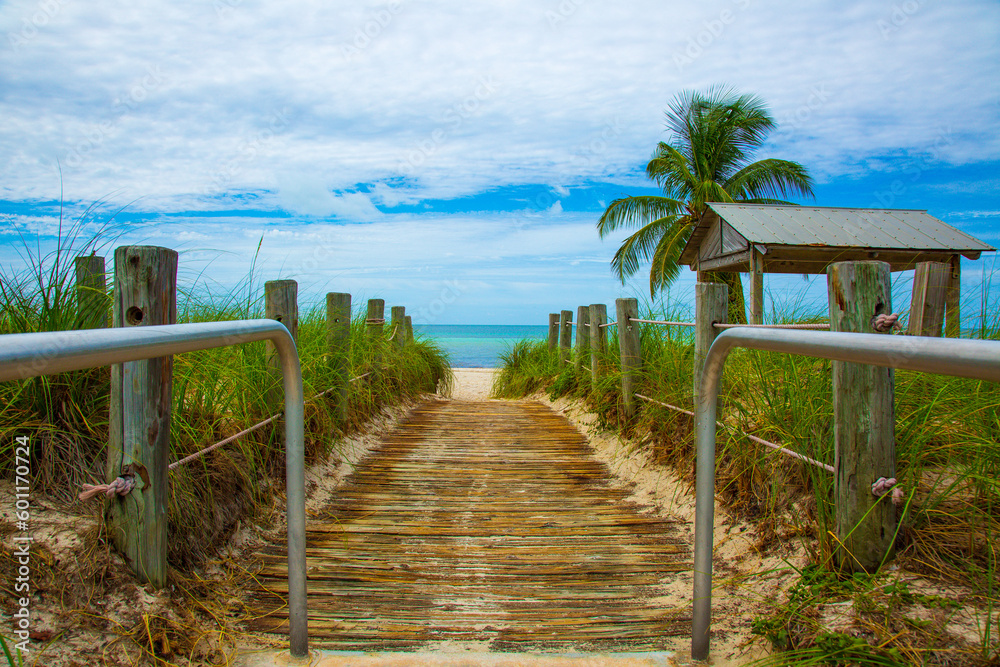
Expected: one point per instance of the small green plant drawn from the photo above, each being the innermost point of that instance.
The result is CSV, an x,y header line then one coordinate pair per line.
x,y
15,659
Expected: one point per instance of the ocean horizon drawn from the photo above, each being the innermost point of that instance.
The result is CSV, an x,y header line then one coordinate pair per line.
x,y
478,345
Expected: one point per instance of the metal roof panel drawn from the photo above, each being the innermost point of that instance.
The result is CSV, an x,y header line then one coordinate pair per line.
x,y
845,227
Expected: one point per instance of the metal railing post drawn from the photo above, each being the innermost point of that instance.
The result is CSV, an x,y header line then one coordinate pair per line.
x,y
29,355
977,359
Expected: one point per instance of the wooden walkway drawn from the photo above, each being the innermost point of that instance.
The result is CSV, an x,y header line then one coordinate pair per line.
x,y
490,523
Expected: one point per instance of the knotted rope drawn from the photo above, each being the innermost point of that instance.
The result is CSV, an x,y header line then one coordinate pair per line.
x,y
882,486
120,485
884,323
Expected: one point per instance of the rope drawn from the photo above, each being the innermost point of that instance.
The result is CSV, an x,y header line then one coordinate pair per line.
x,y
885,323
393,334
609,324
719,325
780,448
679,324
120,485
124,484
883,486
375,320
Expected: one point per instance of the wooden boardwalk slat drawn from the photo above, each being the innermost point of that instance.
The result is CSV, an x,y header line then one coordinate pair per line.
x,y
487,522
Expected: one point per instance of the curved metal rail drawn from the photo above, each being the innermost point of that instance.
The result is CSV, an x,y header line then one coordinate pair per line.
x,y
29,355
977,359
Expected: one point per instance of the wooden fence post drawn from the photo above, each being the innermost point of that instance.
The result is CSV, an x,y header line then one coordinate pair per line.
x,y
864,420
375,318
553,331
145,294
408,326
930,284
565,329
711,305
756,286
598,339
338,340
398,324
952,327
630,350
91,293
281,304
582,336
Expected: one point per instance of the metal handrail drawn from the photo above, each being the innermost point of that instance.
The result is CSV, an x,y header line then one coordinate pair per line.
x,y
29,355
977,359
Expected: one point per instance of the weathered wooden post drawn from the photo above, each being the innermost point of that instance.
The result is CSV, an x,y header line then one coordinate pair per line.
x,y
91,293
408,327
565,329
398,324
553,331
281,304
582,337
711,305
598,339
145,294
375,318
630,349
864,420
927,304
756,286
952,326
338,339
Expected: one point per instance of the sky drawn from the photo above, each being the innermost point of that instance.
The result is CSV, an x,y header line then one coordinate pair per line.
x,y
454,157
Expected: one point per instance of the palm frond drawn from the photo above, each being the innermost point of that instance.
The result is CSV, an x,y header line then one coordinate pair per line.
x,y
639,247
636,212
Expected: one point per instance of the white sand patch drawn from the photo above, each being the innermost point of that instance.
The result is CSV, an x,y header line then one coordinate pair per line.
x,y
471,384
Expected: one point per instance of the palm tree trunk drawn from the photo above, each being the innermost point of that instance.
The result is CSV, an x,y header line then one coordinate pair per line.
x,y
737,305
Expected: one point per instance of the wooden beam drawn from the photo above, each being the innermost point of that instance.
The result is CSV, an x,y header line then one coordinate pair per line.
x,y
864,421
139,417
711,305
630,349
565,329
91,293
598,339
338,340
927,303
756,286
582,337
952,327
553,331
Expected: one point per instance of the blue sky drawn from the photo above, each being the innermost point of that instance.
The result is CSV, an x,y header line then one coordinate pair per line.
x,y
454,157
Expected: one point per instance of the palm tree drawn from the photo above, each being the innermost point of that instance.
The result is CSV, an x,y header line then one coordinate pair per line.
x,y
715,136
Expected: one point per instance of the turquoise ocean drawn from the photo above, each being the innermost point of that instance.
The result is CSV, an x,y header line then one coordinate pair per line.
x,y
478,345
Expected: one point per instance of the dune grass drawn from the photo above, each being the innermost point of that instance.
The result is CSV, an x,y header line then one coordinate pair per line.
x,y
216,393
948,464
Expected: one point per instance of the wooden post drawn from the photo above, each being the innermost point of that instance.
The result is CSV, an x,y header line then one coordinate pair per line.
x,y
553,331
375,317
582,337
281,304
756,286
398,324
927,304
408,327
630,349
91,293
711,304
598,339
565,329
864,420
139,418
952,327
338,340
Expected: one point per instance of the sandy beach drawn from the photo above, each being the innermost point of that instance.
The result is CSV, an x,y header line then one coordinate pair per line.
x,y
472,384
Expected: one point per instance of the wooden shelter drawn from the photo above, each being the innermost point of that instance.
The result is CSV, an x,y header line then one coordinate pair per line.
x,y
764,238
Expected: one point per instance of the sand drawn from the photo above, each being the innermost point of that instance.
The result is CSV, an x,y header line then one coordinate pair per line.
x,y
471,384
